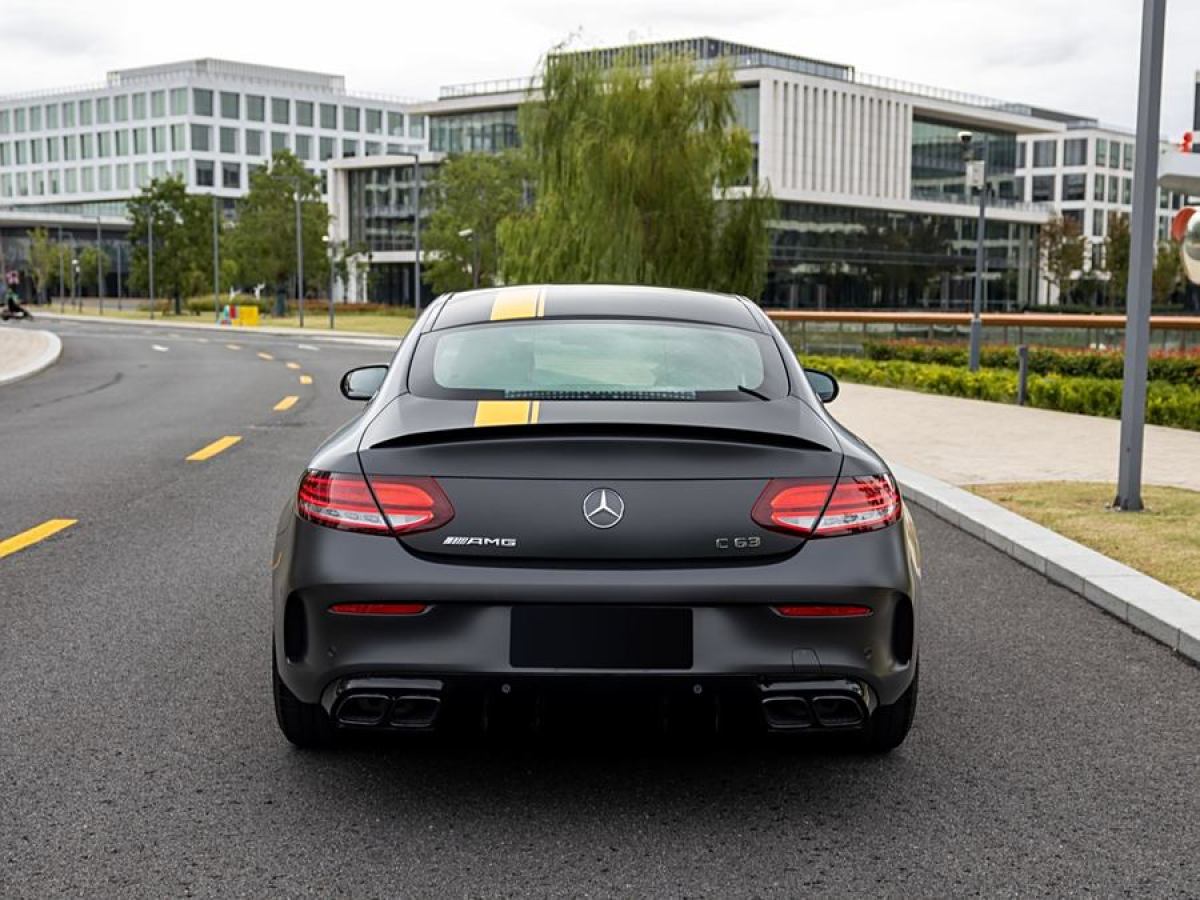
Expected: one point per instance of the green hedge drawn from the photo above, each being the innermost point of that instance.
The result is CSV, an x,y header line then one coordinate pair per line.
x,y
1178,368
1167,404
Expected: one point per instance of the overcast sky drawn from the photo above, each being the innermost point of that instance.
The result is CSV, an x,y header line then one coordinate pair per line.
x,y
1075,55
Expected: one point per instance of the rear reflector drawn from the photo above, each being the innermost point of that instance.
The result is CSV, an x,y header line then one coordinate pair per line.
x,y
385,506
822,610
378,609
825,507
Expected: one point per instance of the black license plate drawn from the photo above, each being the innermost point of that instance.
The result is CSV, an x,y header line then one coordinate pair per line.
x,y
601,637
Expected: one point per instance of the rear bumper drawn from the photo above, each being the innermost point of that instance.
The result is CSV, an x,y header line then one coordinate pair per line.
x,y
465,632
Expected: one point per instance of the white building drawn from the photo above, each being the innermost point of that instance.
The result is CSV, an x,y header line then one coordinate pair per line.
x,y
208,121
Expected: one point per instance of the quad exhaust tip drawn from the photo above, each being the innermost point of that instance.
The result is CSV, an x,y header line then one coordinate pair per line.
x,y
384,703
819,705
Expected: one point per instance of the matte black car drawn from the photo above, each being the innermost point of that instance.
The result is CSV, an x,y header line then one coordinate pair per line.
x,y
581,492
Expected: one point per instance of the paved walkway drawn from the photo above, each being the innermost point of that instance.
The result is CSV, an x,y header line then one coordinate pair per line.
x,y
974,441
25,351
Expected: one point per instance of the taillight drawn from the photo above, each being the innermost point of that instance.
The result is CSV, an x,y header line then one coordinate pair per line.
x,y
387,505
378,609
825,507
822,610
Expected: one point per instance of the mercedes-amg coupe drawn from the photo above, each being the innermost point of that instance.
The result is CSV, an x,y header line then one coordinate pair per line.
x,y
557,496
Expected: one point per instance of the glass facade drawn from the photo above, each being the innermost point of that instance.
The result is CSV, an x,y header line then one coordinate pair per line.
x,y
490,132
381,206
939,169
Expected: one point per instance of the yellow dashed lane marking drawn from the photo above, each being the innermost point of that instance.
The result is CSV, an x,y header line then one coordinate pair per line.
x,y
217,446
293,365
234,346
286,403
518,303
33,535
265,356
306,379
507,412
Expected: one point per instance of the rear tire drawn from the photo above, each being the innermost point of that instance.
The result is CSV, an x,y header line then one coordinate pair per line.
x,y
306,725
890,724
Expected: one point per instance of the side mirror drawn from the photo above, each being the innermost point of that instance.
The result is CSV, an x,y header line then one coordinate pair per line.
x,y
824,384
363,383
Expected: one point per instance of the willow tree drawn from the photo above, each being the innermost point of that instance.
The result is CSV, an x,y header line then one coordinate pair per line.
x,y
640,175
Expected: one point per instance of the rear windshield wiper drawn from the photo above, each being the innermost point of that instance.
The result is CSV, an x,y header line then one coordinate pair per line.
x,y
752,392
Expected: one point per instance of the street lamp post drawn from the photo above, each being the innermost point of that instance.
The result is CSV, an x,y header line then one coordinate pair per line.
x,y
216,266
299,256
331,249
99,268
977,175
1141,258
62,278
150,258
470,233
118,274
75,295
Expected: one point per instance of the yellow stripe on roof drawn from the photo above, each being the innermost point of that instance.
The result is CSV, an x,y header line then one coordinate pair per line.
x,y
515,303
502,412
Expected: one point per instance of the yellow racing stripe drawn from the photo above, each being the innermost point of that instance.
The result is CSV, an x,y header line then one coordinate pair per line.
x,y
503,412
516,303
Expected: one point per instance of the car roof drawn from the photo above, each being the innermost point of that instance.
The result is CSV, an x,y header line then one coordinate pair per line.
x,y
563,301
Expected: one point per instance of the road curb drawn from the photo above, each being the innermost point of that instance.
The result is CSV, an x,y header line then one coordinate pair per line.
x,y
366,339
43,360
1153,608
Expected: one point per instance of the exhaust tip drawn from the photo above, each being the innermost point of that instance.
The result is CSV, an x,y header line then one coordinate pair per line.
x,y
363,710
837,712
787,713
414,711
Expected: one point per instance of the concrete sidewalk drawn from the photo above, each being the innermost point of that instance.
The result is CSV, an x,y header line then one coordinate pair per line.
x,y
973,441
26,351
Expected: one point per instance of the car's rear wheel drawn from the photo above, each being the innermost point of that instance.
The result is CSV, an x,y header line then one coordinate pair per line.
x,y
306,725
890,724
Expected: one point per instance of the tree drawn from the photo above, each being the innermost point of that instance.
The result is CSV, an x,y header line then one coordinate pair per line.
x,y
640,176
93,265
1063,249
43,260
476,191
1168,271
182,239
1116,255
263,242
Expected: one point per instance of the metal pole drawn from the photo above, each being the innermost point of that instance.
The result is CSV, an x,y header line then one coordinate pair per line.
x,y
118,274
475,264
299,257
62,279
216,267
99,269
417,233
332,280
1141,258
151,259
980,261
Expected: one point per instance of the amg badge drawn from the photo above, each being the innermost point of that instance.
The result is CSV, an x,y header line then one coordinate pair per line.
x,y
480,542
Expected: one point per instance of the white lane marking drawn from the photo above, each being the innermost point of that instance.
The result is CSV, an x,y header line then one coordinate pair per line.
x,y
307,347
159,347
201,340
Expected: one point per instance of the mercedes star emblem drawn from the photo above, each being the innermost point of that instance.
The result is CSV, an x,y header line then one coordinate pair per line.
x,y
603,508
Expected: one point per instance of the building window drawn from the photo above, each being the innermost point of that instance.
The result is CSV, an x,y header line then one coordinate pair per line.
x,y
1126,191
204,173
202,137
158,139
179,101
70,182
35,118
374,121
1114,189
4,154
178,138
19,152
230,105
159,168
1098,188
202,102
85,146
1114,154
104,144
279,141
303,146
349,118
5,121
231,175
1020,155
140,144
19,120
51,149
121,109
395,124
139,106
349,148
280,110
70,145
158,104
122,178
1127,160
256,108
179,169
103,111
141,174
329,116
416,126
1075,186
121,142
1044,154
254,142
52,117
326,148
1043,188
35,151
1075,152
229,140
104,178
304,113
87,180
6,186
372,148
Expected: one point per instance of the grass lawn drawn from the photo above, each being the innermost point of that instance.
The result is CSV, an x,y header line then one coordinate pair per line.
x,y
390,324
1163,541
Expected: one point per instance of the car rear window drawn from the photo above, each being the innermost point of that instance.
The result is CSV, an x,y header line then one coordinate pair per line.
x,y
599,359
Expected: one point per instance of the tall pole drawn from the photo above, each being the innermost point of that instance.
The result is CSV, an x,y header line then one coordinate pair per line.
x,y
332,278
299,257
99,268
118,274
216,267
417,233
1141,258
150,222
62,280
475,262
980,262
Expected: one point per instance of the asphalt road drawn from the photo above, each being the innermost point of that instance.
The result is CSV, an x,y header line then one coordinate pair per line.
x,y
1055,751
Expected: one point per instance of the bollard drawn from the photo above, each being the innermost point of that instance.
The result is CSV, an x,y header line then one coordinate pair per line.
x,y
1022,373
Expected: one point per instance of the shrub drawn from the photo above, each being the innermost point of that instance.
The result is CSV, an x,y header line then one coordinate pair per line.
x,y
1176,405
